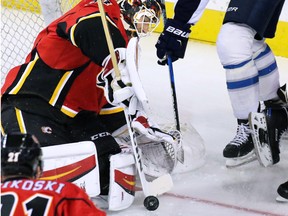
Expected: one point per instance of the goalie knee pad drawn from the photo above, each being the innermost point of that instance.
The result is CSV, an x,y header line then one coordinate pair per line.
x,y
122,181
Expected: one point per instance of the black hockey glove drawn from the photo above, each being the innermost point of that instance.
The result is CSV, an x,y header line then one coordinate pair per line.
x,y
172,41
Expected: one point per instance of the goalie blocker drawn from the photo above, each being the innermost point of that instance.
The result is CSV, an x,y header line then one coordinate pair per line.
x,y
267,128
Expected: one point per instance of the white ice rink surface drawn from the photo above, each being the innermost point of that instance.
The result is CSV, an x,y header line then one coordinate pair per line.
x,y
212,189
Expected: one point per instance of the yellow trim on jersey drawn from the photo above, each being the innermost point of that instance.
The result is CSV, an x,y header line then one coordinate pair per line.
x,y
59,87
84,18
69,112
24,76
112,110
2,129
20,121
105,111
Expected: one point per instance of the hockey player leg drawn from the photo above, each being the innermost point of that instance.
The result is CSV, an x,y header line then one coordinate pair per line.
x,y
122,181
235,54
73,162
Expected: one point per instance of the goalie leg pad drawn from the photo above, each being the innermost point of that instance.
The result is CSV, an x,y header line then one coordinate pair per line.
x,y
62,159
122,181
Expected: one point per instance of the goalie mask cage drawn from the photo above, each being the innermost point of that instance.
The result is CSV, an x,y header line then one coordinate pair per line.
x,y
21,21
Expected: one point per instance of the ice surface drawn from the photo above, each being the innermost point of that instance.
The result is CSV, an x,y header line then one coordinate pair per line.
x,y
212,189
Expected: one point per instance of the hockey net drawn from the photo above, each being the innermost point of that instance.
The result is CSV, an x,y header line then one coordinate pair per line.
x,y
21,21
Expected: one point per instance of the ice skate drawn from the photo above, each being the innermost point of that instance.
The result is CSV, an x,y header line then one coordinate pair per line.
x,y
241,149
258,125
282,192
267,128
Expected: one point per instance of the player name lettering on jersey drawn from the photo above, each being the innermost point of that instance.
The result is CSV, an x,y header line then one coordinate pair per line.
x,y
34,185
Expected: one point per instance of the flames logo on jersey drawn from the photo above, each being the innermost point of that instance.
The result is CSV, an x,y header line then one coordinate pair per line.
x,y
105,77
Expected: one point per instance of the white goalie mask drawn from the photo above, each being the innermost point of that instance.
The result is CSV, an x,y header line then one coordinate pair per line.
x,y
141,18
145,21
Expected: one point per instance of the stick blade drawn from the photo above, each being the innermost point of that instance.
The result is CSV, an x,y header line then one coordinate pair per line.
x,y
157,186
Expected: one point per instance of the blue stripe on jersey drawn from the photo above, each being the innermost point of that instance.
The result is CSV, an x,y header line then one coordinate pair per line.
x,y
237,65
243,83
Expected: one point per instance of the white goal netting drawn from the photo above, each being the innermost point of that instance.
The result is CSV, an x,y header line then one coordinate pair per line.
x,y
21,21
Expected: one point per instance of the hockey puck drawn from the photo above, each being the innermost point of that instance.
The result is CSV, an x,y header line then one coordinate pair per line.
x,y
151,203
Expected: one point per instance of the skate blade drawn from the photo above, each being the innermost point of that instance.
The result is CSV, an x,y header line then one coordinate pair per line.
x,y
281,199
236,162
101,201
262,149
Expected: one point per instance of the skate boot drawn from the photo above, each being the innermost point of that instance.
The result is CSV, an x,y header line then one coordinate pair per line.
x,y
282,192
277,122
268,127
241,149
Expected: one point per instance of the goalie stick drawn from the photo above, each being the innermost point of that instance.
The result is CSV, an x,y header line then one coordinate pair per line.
x,y
158,185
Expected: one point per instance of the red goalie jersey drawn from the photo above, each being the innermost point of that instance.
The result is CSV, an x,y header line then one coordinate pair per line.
x,y
45,198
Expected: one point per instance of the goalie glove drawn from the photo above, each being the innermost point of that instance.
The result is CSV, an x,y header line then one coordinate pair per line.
x,y
150,130
158,157
172,41
145,132
117,92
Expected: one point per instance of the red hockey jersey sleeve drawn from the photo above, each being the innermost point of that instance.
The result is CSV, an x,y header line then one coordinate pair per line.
x,y
76,203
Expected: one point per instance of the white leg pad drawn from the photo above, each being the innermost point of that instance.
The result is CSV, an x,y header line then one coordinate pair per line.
x,y
73,162
122,181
